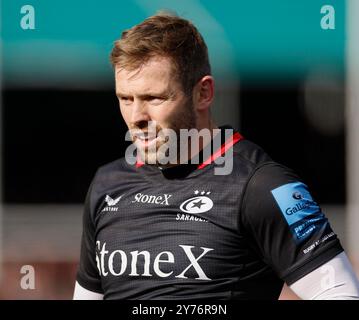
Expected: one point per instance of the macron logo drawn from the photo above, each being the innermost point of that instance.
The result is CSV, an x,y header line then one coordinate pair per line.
x,y
111,203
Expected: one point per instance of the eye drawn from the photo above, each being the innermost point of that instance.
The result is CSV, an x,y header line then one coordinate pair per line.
x,y
155,100
125,100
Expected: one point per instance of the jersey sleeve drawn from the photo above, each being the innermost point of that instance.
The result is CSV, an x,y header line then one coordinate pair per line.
x,y
287,227
88,275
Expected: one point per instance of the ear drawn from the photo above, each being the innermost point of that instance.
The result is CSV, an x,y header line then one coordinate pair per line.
x,y
203,93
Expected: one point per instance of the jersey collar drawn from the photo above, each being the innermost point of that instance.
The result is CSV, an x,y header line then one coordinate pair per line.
x,y
187,168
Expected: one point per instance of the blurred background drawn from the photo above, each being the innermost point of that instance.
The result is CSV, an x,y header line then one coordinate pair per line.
x,y
286,76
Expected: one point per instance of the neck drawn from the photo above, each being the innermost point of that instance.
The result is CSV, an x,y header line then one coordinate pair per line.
x,y
202,143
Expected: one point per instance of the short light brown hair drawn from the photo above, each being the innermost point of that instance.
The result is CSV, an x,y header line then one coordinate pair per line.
x,y
165,35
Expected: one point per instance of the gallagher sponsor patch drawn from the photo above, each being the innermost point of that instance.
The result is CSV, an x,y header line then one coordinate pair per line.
x,y
301,212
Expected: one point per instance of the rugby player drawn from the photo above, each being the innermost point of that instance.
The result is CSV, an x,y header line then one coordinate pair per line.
x,y
181,230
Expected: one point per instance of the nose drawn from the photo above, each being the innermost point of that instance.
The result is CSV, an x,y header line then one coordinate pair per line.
x,y
139,114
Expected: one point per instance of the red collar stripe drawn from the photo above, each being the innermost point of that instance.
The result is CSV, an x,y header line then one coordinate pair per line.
x,y
139,162
225,146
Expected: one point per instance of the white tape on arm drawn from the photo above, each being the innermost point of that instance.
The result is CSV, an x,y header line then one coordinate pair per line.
x,y
80,293
334,280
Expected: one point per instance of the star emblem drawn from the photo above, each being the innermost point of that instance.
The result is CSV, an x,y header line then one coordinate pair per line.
x,y
198,204
196,192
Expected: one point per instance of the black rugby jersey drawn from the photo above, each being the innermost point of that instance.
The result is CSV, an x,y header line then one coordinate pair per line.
x,y
188,233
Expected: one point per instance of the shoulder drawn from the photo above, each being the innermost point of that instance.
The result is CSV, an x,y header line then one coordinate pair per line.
x,y
247,151
117,166
261,165
108,176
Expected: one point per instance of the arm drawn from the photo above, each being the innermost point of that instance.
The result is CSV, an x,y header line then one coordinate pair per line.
x,y
288,229
80,293
88,279
334,280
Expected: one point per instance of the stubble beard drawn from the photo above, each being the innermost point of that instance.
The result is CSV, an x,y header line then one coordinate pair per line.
x,y
185,119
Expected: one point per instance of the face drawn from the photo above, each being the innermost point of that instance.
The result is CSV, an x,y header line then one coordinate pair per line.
x,y
152,94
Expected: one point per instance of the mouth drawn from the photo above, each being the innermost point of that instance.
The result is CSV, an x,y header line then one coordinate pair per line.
x,y
145,140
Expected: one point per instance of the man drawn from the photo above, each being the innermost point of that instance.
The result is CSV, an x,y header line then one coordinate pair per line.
x,y
178,230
